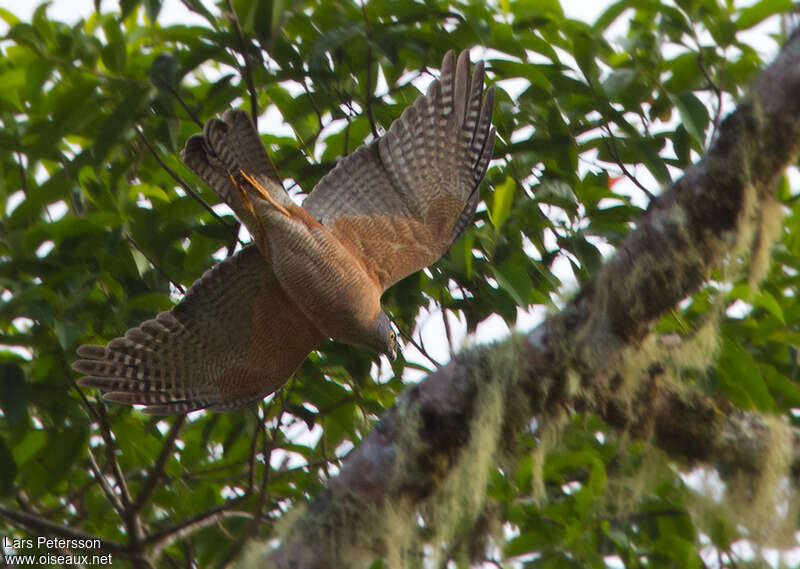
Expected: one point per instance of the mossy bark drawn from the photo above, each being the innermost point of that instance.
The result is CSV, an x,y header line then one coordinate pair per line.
x,y
689,230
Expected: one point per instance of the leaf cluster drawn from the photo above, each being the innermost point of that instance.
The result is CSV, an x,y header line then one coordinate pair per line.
x,y
101,226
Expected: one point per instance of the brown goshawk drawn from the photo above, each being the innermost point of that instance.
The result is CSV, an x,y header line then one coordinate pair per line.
x,y
313,272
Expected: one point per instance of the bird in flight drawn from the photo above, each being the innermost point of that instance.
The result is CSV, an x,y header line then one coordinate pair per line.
x,y
314,271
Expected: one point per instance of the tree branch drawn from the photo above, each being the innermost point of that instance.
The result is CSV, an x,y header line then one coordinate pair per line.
x,y
186,187
569,359
248,70
42,526
156,266
368,86
163,539
161,462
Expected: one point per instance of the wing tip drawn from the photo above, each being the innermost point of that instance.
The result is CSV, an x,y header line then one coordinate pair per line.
x,y
488,99
449,58
234,115
89,381
155,405
91,351
462,71
189,147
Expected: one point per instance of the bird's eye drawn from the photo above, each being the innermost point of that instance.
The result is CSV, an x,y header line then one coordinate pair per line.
x,y
392,335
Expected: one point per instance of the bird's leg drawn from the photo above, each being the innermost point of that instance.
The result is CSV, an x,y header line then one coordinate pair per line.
x,y
245,198
261,237
264,193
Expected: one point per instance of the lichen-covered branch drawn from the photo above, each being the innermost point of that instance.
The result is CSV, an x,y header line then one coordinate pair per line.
x,y
573,358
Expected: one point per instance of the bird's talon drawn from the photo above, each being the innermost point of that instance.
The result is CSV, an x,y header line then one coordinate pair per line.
x,y
264,193
245,198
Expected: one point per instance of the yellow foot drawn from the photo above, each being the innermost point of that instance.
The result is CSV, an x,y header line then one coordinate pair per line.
x,y
264,193
245,198
259,236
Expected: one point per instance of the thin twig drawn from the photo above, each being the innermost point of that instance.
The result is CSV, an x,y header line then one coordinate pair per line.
x,y
248,72
251,470
313,105
130,517
268,443
186,186
611,144
101,480
704,70
346,142
158,468
163,539
409,338
714,87
68,373
186,108
447,332
172,281
368,86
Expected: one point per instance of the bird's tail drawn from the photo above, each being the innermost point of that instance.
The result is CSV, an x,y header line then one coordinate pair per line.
x,y
228,156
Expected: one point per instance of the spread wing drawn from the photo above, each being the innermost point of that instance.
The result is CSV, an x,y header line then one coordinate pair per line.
x,y
233,339
402,200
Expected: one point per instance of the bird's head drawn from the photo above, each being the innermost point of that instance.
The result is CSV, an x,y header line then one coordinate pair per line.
x,y
384,337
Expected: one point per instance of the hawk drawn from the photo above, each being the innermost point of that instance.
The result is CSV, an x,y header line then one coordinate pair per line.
x,y
313,272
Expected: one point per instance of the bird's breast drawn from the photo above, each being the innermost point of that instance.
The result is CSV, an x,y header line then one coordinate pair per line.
x,y
325,279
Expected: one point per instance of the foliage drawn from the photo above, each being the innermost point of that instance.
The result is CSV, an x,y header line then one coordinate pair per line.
x,y
101,225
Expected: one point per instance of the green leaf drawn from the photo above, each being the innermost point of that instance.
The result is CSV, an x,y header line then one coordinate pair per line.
x,y
760,11
741,378
617,82
783,389
636,150
27,35
12,80
114,54
694,115
127,6
681,145
685,73
55,461
198,7
679,549
588,256
148,191
461,253
768,302
165,72
502,198
152,8
8,17
512,276
527,542
118,122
